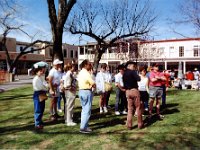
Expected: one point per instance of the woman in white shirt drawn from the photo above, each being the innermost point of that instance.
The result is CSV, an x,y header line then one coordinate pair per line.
x,y
101,78
39,87
143,87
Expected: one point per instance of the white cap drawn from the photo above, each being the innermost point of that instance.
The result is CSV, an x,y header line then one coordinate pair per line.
x,y
57,61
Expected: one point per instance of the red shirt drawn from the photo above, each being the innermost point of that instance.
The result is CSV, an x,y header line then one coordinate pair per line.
x,y
190,76
153,74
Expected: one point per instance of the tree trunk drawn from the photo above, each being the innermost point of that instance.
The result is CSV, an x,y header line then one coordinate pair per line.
x,y
57,46
97,58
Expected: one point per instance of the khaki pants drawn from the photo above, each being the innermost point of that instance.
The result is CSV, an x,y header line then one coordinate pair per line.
x,y
134,104
69,105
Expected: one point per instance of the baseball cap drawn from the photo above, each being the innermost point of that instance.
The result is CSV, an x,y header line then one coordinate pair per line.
x,y
57,61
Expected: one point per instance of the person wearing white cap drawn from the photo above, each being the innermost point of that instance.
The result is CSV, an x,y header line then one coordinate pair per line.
x,y
54,78
40,88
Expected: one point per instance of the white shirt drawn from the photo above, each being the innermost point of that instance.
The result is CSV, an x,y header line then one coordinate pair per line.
x,y
39,84
100,80
142,84
57,75
196,75
69,80
118,79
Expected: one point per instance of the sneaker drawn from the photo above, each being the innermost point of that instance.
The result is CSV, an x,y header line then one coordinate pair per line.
x,y
39,127
124,112
160,117
87,130
117,113
71,124
101,110
57,116
60,110
146,109
105,109
52,118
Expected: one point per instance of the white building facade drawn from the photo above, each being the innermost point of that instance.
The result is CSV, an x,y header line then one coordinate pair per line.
x,y
168,53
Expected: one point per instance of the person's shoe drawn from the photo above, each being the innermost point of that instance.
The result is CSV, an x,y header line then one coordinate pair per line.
x,y
146,109
124,112
105,109
101,110
160,117
129,128
71,124
87,130
39,127
58,116
52,118
60,110
117,113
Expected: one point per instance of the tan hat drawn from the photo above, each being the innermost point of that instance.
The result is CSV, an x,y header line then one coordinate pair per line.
x,y
57,61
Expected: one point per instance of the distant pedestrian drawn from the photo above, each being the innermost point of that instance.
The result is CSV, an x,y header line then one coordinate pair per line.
x,y
85,83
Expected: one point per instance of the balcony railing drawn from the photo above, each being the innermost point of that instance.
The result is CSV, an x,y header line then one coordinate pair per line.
x,y
106,56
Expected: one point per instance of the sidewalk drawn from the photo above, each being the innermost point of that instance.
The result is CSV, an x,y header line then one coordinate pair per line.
x,y
20,81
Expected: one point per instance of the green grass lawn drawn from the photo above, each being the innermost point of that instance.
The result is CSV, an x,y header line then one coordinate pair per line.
x,y
180,128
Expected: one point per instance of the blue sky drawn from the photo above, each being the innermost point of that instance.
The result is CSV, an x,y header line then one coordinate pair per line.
x,y
36,17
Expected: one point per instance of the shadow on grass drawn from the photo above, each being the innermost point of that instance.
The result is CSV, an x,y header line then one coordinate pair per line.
x,y
16,97
108,123
165,111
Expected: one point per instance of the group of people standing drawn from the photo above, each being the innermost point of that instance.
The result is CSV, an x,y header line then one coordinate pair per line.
x,y
135,86
58,83
133,90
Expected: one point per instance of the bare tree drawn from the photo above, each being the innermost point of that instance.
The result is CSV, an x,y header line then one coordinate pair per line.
x,y
109,22
57,21
9,24
189,11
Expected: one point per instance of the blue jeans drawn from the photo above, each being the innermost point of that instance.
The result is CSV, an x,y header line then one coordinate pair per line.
x,y
38,108
85,97
121,102
62,95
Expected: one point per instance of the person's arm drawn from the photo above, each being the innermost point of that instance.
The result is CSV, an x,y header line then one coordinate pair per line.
x,y
51,89
147,85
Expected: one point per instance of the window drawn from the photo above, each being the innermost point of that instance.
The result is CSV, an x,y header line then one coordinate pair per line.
x,y
51,52
76,54
145,53
32,49
65,53
21,48
171,51
196,50
71,53
81,51
181,51
161,50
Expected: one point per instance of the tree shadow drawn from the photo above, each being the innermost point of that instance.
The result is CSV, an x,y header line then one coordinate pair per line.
x,y
108,123
16,97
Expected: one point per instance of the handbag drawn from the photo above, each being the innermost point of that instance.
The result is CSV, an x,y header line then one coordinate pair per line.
x,y
108,86
43,97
